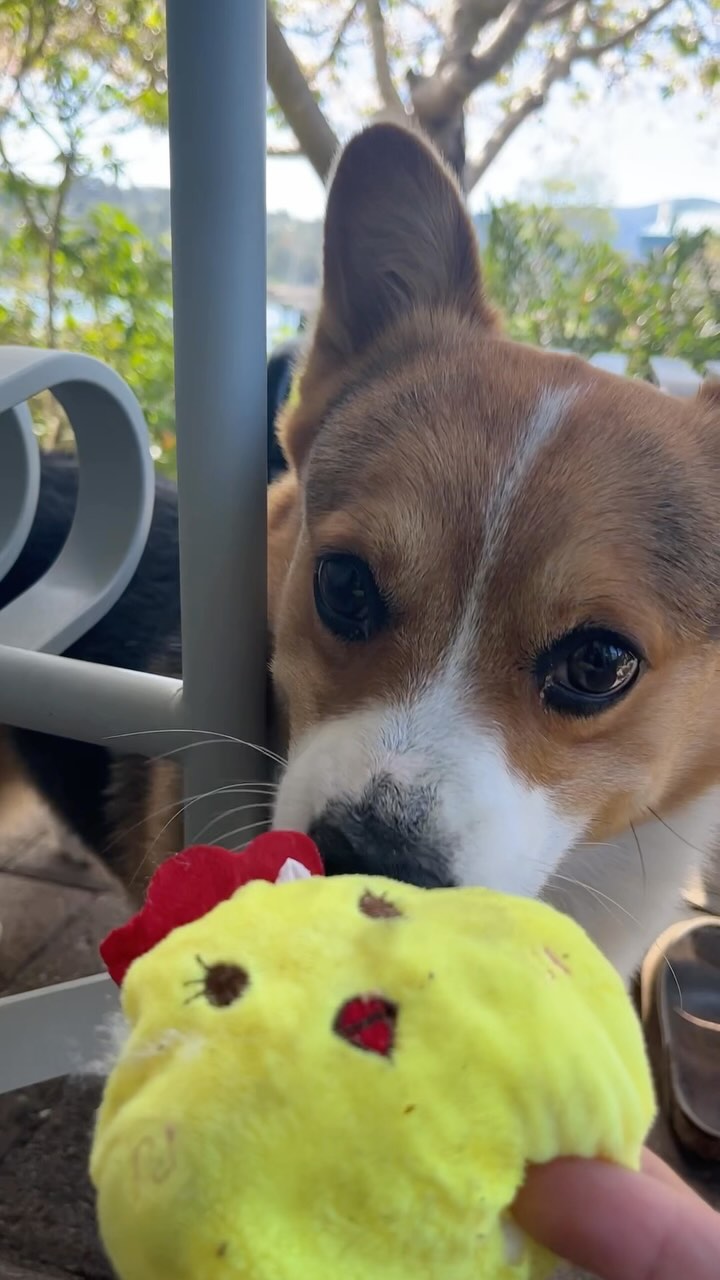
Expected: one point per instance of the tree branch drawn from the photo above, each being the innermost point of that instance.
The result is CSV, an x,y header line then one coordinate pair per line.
x,y
339,37
296,101
389,94
467,20
512,28
53,244
458,75
34,49
37,120
428,17
557,68
556,9
526,106
591,53
20,192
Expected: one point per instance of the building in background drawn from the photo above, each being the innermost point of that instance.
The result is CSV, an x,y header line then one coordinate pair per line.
x,y
678,218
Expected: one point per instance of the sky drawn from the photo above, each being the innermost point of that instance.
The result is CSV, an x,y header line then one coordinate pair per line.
x,y
624,147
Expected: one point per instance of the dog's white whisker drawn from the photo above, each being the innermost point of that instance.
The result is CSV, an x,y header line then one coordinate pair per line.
x,y
602,898
673,832
238,831
611,901
190,746
205,733
207,795
597,892
228,813
232,788
640,856
601,844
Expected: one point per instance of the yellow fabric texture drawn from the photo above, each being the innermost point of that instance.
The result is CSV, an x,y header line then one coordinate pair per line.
x,y
249,1140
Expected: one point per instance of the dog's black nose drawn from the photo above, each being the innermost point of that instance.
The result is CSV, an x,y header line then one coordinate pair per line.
x,y
353,842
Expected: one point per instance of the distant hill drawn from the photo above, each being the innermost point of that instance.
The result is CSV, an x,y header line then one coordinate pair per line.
x,y
294,245
147,207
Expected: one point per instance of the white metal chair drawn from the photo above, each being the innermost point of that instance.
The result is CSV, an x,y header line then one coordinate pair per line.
x,y
217,87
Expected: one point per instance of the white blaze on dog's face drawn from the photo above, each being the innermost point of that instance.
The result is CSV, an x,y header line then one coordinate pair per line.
x,y
494,572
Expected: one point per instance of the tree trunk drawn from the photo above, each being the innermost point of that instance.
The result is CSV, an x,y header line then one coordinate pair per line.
x,y
441,117
297,102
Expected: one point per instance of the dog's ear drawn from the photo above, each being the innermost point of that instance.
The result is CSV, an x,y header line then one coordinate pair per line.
x,y
397,240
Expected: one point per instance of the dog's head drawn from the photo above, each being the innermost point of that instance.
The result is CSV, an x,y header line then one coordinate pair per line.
x,y
494,572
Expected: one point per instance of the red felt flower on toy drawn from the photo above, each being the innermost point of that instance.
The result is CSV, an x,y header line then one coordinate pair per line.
x,y
189,885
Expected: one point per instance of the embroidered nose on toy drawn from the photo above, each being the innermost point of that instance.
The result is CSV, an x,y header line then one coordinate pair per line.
x,y
369,1023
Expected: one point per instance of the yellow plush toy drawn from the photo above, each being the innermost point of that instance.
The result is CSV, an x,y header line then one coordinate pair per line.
x,y
344,1079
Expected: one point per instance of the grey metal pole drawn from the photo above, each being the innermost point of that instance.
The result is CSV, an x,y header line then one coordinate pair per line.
x,y
217,94
57,1031
127,712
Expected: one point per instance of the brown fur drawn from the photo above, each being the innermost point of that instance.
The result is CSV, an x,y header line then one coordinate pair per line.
x,y
412,404
411,415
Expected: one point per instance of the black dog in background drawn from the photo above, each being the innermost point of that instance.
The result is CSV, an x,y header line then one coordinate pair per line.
x,y
140,633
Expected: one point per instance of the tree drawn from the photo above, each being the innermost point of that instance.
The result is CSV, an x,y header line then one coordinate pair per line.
x,y
113,300
433,62
119,290
74,74
70,70
559,289
79,274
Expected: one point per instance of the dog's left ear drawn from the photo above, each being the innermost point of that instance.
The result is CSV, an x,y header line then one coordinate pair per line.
x,y
398,241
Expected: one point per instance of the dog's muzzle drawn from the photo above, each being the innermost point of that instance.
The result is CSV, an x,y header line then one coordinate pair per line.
x,y
388,831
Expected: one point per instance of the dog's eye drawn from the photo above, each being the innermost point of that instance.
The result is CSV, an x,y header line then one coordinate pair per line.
x,y
586,671
347,597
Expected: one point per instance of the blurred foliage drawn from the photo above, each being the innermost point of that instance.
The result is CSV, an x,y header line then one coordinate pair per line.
x,y
120,310
556,285
293,250
74,76
62,56
113,301
557,288
78,274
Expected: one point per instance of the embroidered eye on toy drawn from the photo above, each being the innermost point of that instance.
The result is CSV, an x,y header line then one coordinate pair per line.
x,y
347,1077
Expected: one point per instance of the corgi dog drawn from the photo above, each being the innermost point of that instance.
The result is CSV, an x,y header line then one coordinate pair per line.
x,y
494,592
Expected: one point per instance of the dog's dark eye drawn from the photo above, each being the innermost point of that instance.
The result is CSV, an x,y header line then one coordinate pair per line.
x,y
587,671
347,597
